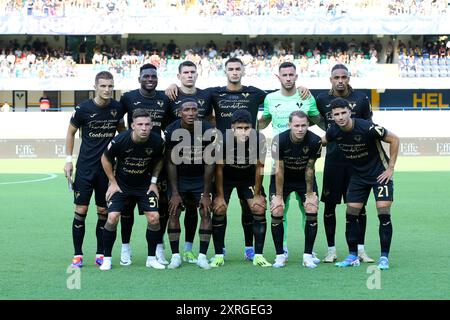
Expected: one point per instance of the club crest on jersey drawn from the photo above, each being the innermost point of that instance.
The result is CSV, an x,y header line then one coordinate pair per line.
x,y
148,151
245,95
352,105
114,112
357,138
201,102
305,149
76,194
160,103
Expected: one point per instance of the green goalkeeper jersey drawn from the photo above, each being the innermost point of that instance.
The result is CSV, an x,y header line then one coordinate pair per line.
x,y
279,107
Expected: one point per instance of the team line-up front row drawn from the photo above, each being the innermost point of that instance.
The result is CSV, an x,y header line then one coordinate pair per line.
x,y
196,165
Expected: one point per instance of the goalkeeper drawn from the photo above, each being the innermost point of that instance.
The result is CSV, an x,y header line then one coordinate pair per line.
x,y
295,152
278,106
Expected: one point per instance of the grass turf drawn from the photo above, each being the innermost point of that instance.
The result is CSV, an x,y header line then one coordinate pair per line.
x,y
37,247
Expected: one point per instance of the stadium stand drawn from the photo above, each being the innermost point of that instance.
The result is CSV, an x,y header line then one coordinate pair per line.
x,y
222,8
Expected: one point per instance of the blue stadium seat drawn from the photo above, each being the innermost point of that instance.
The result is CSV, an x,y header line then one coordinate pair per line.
x,y
435,70
443,71
411,73
419,71
403,72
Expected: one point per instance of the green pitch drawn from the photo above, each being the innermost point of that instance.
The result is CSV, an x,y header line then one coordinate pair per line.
x,y
37,211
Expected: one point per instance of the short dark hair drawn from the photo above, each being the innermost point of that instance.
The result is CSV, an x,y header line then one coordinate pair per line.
x,y
241,115
141,113
188,100
339,103
147,66
286,64
339,66
233,60
186,63
105,75
299,114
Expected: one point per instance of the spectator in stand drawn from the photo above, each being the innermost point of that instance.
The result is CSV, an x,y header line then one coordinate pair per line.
x,y
44,103
82,52
6,107
98,57
389,52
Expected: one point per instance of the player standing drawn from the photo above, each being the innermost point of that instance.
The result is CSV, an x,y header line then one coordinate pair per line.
x,y
98,119
337,170
156,102
190,177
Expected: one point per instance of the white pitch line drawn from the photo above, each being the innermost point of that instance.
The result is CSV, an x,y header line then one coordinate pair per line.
x,y
50,176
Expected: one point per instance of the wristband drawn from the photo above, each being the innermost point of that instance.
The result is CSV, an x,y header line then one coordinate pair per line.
x,y
68,158
154,180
